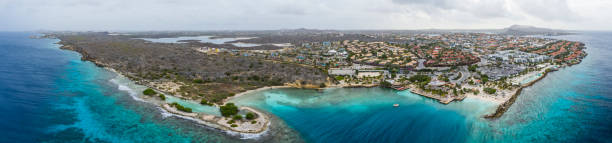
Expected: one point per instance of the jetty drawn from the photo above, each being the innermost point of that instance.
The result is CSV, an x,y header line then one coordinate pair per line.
x,y
501,109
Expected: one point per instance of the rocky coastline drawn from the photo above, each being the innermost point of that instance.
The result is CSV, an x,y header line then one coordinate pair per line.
x,y
502,108
260,126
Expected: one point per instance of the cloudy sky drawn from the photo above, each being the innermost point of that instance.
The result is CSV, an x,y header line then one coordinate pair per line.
x,y
18,15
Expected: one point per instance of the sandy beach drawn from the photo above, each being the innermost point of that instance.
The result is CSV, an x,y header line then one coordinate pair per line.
x,y
207,119
254,90
489,98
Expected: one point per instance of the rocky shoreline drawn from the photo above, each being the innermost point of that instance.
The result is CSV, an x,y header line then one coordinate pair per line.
x,y
441,99
502,108
261,125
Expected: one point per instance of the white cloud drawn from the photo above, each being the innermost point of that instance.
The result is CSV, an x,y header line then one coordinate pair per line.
x,y
322,14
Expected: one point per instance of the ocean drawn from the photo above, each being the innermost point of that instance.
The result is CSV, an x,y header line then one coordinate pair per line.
x,y
50,95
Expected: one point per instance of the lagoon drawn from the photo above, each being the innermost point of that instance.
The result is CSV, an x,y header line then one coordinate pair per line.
x,y
203,39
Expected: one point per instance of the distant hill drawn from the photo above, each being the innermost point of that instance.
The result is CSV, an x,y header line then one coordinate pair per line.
x,y
532,30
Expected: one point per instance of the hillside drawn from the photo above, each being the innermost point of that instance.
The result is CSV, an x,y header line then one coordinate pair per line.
x,y
531,30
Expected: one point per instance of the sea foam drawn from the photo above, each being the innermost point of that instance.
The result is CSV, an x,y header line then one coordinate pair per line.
x,y
124,87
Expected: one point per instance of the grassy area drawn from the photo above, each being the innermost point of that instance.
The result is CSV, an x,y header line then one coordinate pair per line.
x,y
489,90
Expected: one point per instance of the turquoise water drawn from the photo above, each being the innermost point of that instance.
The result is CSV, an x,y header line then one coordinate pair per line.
x,y
530,79
245,44
203,39
368,115
197,107
49,95
573,104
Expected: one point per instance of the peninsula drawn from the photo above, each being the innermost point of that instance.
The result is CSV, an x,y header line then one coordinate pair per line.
x,y
445,66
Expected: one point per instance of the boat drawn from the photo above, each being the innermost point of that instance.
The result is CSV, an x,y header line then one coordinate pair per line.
x,y
400,88
395,105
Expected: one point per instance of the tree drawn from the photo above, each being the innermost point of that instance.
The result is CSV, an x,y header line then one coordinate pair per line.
x,y
205,102
339,78
228,110
322,85
472,68
250,116
385,84
485,78
149,92
419,78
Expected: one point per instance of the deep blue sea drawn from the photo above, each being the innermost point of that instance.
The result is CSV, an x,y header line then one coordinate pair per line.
x,y
50,95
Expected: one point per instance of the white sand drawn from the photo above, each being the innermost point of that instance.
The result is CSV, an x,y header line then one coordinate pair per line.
x,y
254,90
246,126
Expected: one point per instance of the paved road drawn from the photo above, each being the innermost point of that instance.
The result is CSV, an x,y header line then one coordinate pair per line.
x,y
464,74
421,65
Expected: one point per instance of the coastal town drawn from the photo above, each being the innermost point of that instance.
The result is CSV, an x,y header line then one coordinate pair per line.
x,y
306,71
446,67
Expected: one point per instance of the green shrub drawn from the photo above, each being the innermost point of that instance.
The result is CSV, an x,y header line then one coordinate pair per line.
x,y
181,107
198,81
231,122
472,68
149,92
205,102
163,97
237,117
322,85
250,116
253,122
489,90
228,110
234,125
485,79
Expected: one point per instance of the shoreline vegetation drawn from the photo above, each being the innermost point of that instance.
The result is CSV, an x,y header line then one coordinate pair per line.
x,y
254,126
